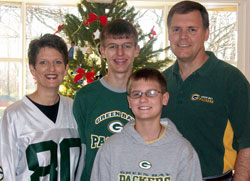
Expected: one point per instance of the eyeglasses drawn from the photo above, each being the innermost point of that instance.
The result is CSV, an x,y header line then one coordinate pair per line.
x,y
125,46
149,93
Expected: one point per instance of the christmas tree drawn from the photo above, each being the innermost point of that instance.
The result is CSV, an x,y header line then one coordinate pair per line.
x,y
88,65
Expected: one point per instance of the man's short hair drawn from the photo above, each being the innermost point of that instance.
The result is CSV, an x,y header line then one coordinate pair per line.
x,y
147,74
185,7
47,40
118,29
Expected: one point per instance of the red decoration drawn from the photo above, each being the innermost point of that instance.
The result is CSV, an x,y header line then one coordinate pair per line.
x,y
152,33
59,28
93,17
89,75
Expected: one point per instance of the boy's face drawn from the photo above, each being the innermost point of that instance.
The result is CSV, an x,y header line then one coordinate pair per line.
x,y
120,54
147,108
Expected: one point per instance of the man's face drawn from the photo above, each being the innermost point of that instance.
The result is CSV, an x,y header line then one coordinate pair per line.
x,y
120,54
187,36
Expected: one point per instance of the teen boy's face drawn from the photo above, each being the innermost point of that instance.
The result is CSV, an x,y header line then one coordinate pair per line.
x,y
147,108
120,54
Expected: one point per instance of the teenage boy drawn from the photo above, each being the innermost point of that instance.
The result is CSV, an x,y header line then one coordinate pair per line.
x,y
101,108
149,148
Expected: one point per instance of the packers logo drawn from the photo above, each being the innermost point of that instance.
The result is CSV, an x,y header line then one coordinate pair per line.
x,y
145,165
195,97
115,127
1,173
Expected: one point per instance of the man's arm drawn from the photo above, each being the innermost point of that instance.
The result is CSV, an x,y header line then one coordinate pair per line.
x,y
242,165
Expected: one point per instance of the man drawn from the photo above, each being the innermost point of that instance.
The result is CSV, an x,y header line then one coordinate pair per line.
x,y
150,148
209,99
101,108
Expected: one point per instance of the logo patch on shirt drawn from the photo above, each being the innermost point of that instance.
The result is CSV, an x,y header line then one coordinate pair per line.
x,y
145,165
115,126
198,97
1,173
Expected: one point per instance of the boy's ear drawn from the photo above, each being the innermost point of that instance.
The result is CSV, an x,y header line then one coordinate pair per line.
x,y
165,98
137,50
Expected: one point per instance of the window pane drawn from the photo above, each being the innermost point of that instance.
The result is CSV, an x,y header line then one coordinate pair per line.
x,y
45,19
10,32
223,35
153,19
10,81
30,81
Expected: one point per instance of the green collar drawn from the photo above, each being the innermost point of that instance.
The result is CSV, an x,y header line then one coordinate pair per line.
x,y
205,69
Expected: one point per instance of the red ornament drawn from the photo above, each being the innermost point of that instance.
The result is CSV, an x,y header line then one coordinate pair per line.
x,y
89,75
93,17
152,33
59,28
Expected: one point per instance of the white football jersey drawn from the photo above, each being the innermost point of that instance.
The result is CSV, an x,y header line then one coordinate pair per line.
x,y
32,147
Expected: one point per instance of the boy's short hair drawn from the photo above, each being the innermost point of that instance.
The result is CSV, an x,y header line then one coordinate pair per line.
x,y
118,29
147,74
185,7
47,40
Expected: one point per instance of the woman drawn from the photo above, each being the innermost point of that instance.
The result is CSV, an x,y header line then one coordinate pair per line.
x,y
38,134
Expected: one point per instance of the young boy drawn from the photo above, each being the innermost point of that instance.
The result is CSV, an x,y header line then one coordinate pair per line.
x,y
149,148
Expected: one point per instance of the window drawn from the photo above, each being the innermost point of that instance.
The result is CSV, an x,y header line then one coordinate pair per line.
x,y
223,33
153,20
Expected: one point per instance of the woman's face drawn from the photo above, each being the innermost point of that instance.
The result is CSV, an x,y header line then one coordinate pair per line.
x,y
49,70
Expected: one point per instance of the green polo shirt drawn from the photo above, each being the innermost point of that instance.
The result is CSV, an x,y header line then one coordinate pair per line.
x,y
211,108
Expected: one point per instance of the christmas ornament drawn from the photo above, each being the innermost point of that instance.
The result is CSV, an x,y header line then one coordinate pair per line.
x,y
152,33
93,17
96,34
89,75
59,28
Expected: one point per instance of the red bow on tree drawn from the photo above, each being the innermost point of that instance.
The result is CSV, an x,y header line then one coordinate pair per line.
x,y
93,17
59,28
152,33
89,75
